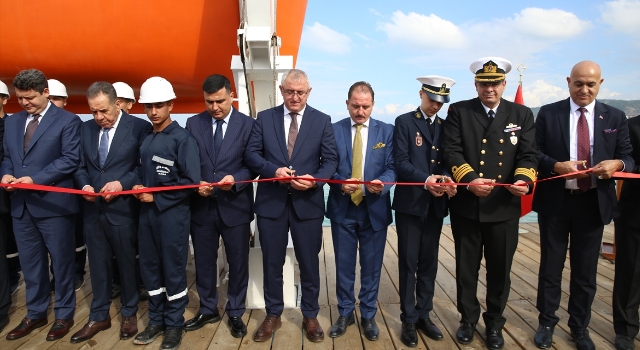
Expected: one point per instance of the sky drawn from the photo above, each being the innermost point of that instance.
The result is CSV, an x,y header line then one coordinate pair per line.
x,y
390,43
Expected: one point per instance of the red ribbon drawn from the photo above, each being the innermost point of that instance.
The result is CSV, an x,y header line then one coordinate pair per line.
x,y
617,175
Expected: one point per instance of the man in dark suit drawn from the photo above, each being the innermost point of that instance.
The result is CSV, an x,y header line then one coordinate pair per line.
x,y
42,146
626,284
578,133
223,211
109,155
487,140
292,139
420,211
360,214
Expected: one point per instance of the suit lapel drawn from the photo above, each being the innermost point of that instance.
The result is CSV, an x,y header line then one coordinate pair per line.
x,y
600,119
481,115
305,126
563,117
348,143
421,124
230,135
124,127
21,132
278,124
93,143
205,126
44,124
439,126
372,140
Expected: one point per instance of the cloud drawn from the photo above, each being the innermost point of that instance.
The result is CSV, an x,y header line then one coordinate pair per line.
x,y
376,13
394,109
422,31
548,24
606,93
323,38
540,93
622,16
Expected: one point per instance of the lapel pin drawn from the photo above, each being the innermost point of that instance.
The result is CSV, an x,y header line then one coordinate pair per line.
x,y
601,117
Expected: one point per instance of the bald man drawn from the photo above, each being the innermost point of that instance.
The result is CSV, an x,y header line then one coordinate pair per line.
x,y
575,134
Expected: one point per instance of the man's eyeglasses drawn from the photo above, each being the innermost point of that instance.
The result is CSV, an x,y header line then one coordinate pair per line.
x,y
290,93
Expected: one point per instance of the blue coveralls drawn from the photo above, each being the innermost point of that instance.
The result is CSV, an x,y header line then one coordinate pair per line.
x,y
168,158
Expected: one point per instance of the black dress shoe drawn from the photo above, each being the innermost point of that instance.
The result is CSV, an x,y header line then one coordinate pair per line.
x,y
583,340
200,320
429,328
340,327
495,341
544,337
238,328
624,342
172,339
409,336
370,327
149,334
464,335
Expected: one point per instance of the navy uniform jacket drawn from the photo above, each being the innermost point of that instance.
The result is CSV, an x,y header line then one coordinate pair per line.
x,y
610,141
51,159
630,194
314,153
378,164
120,165
169,158
416,160
504,150
235,205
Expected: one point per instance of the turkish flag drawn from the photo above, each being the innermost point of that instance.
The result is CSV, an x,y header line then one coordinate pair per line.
x,y
527,200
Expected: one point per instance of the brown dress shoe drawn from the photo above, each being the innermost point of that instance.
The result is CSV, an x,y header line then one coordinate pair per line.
x,y
25,327
129,327
59,329
266,329
314,331
89,330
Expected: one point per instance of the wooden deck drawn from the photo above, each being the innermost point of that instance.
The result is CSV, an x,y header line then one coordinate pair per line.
x,y
521,313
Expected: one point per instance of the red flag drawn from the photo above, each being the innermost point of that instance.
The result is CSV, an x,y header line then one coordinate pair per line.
x,y
526,201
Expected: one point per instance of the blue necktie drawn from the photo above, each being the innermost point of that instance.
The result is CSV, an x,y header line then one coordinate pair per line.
x,y
217,137
103,149
492,114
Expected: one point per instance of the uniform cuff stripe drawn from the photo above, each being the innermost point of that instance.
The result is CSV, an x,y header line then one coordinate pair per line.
x,y
177,296
157,291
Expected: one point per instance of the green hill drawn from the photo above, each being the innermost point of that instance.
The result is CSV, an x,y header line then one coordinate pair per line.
x,y
630,108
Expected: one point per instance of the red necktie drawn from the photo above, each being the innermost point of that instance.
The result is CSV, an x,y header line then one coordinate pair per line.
x,y
584,149
31,129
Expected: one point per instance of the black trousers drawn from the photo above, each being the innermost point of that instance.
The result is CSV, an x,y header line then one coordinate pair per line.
x,y
579,219
626,284
498,241
418,245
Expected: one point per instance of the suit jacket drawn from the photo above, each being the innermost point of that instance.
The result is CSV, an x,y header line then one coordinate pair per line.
x,y
628,203
120,165
235,205
503,150
417,156
314,153
552,138
51,159
4,195
378,164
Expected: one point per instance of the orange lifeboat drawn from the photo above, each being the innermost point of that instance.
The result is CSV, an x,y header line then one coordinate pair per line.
x,y
79,42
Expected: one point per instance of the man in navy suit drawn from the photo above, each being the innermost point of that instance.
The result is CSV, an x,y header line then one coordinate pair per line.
x,y
360,214
223,211
420,210
42,146
578,133
291,140
109,155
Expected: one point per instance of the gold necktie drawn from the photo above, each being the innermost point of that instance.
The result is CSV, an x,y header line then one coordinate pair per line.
x,y
356,169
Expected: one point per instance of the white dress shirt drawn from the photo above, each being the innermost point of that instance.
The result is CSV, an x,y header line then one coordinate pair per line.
x,y
287,120
364,133
30,117
487,109
433,117
226,123
574,116
111,132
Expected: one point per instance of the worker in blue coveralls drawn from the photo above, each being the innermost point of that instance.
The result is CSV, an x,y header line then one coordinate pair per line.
x,y
168,157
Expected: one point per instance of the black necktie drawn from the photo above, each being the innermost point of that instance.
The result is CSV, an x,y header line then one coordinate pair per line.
x,y
491,115
432,127
217,137
31,129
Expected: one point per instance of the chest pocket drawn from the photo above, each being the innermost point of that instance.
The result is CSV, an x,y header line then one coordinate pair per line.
x,y
165,169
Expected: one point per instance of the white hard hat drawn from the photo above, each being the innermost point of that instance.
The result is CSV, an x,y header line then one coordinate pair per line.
x,y
123,90
156,89
4,89
490,69
436,87
56,88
